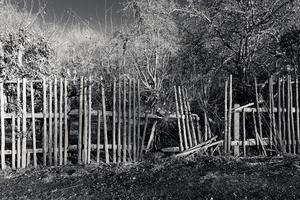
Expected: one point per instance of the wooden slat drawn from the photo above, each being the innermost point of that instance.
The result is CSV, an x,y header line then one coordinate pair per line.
x,y
226,117
50,145
198,129
13,143
292,120
104,121
2,126
61,122
270,110
191,118
244,134
55,149
24,127
18,125
119,120
80,121
279,137
129,120
124,121
187,121
289,116
143,138
33,125
66,144
114,122
297,117
89,120
258,109
186,146
85,123
284,117
178,120
98,138
45,140
139,118
229,115
134,121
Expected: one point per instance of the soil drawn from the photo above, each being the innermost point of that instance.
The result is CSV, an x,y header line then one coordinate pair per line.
x,y
160,178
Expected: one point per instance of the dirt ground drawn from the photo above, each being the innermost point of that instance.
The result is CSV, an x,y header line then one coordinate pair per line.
x,y
168,178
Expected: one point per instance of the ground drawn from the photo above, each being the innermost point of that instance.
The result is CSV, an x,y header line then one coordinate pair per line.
x,y
161,178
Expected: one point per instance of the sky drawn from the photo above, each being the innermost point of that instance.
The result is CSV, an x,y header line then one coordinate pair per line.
x,y
86,9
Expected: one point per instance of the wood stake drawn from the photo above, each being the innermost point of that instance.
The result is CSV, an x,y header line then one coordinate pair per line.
x,y
104,121
297,116
61,122
18,125
33,125
134,121
292,119
186,146
119,120
80,122
187,121
124,121
50,146
289,116
229,115
139,118
89,121
13,142
114,123
24,126
178,120
226,118
129,120
98,137
66,122
45,141
284,116
244,133
2,126
55,123
85,123
279,137
191,118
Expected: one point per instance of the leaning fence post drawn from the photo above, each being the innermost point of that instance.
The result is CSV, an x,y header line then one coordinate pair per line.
x,y
236,124
24,127
2,126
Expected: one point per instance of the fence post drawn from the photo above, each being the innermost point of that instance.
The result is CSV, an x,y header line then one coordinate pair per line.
x,y
236,124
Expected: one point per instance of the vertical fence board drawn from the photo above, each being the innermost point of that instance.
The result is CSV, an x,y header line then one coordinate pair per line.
x,y
144,136
55,123
244,133
98,138
226,117
44,123
134,120
279,112
292,120
187,121
198,129
289,116
24,127
66,143
186,146
50,146
85,123
284,116
236,130
129,121
13,142
178,120
89,120
297,117
190,118
114,122
119,120
79,146
124,121
2,126
270,111
104,121
18,125
139,118
229,115
61,122
33,125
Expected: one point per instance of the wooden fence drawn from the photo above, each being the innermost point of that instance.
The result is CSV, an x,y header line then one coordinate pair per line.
x,y
36,120
271,124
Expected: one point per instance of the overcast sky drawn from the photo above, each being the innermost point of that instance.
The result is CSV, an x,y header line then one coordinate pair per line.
x,y
85,9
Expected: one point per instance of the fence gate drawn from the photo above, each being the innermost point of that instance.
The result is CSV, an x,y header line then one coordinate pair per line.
x,y
271,123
